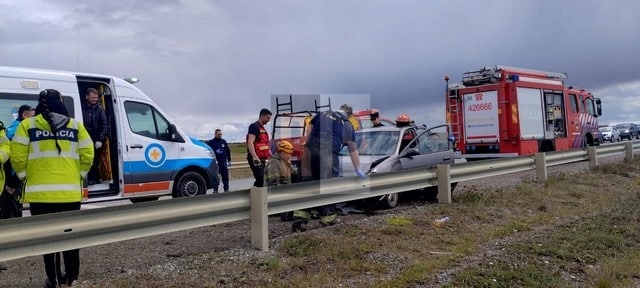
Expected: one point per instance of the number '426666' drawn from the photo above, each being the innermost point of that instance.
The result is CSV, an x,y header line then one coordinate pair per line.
x,y
480,107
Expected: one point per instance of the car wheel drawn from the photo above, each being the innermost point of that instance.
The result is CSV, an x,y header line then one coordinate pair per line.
x,y
190,184
390,200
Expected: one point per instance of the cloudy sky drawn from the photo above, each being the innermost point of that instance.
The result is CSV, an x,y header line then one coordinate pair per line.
x,y
214,64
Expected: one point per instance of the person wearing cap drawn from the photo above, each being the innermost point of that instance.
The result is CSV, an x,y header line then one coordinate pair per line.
x,y
52,153
375,119
279,170
352,119
24,112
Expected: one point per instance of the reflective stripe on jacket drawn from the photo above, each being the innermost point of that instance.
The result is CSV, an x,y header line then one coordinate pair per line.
x,y
51,176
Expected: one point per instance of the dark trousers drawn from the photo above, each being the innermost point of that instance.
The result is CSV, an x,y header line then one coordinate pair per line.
x,y
94,172
224,174
258,172
71,257
10,205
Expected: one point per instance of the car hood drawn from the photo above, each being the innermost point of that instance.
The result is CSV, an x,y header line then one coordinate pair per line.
x,y
346,167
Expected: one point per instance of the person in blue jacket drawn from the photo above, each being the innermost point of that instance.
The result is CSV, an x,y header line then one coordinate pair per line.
x,y
24,112
223,157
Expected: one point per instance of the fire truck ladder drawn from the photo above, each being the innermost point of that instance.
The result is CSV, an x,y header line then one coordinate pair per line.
x,y
325,107
485,75
285,109
490,75
454,113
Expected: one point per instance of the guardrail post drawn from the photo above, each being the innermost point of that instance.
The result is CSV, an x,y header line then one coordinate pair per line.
x,y
444,183
259,218
592,154
628,149
541,167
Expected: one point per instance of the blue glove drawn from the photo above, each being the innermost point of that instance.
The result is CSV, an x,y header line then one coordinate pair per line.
x,y
361,174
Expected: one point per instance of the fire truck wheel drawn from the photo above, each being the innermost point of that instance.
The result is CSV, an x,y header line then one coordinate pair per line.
x,y
190,184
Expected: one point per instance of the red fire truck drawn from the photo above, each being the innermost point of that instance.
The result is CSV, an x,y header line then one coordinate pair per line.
x,y
503,111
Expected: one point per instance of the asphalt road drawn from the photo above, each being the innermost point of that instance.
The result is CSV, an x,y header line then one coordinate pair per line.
x,y
233,185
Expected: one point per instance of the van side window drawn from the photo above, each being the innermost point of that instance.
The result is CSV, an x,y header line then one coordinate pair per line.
x,y
146,121
10,102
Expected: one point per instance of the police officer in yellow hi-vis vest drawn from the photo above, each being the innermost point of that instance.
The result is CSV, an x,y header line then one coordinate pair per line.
x,y
52,153
4,156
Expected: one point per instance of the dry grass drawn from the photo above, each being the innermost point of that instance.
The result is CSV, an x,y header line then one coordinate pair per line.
x,y
578,230
239,154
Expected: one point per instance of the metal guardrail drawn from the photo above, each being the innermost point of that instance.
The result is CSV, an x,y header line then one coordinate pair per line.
x,y
36,235
239,165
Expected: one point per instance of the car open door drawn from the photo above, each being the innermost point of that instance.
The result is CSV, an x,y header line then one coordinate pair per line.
x,y
430,148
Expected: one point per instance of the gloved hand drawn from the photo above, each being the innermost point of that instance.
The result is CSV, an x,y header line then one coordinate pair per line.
x,y
361,174
257,162
228,164
98,144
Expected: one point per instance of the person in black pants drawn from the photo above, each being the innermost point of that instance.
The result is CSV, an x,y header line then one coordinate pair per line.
x,y
258,149
95,121
223,157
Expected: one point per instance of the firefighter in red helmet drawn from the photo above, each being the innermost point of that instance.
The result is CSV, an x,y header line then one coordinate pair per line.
x,y
403,120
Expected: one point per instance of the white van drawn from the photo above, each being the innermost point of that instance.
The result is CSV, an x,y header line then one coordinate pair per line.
x,y
145,156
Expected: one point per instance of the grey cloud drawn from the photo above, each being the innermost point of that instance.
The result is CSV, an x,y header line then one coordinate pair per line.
x,y
222,59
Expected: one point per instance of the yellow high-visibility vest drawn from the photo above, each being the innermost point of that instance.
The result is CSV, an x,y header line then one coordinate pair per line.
x,y
5,149
51,176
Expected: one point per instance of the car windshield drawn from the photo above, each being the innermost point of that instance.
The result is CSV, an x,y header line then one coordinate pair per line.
x,y
623,126
375,143
605,129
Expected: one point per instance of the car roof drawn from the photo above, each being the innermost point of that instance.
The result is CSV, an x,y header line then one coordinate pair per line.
x,y
388,128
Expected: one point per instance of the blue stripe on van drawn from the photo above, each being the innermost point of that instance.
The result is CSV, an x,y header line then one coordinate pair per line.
x,y
199,143
169,165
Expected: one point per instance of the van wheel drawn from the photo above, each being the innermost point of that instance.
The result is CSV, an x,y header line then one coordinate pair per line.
x,y
190,184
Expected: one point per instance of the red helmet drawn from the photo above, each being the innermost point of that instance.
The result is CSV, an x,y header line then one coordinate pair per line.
x,y
403,120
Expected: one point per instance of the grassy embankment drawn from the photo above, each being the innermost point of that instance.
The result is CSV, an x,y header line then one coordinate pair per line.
x,y
239,154
580,230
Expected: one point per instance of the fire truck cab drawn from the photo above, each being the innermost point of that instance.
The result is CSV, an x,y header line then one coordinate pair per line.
x,y
504,111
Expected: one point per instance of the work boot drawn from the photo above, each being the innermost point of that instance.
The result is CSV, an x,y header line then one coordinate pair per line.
x,y
299,226
50,284
66,281
328,220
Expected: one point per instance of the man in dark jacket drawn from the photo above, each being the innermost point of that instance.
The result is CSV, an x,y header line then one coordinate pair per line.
x,y
223,157
95,121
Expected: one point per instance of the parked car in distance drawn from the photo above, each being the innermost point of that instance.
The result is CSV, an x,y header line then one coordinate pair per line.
x,y
628,130
609,133
390,148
